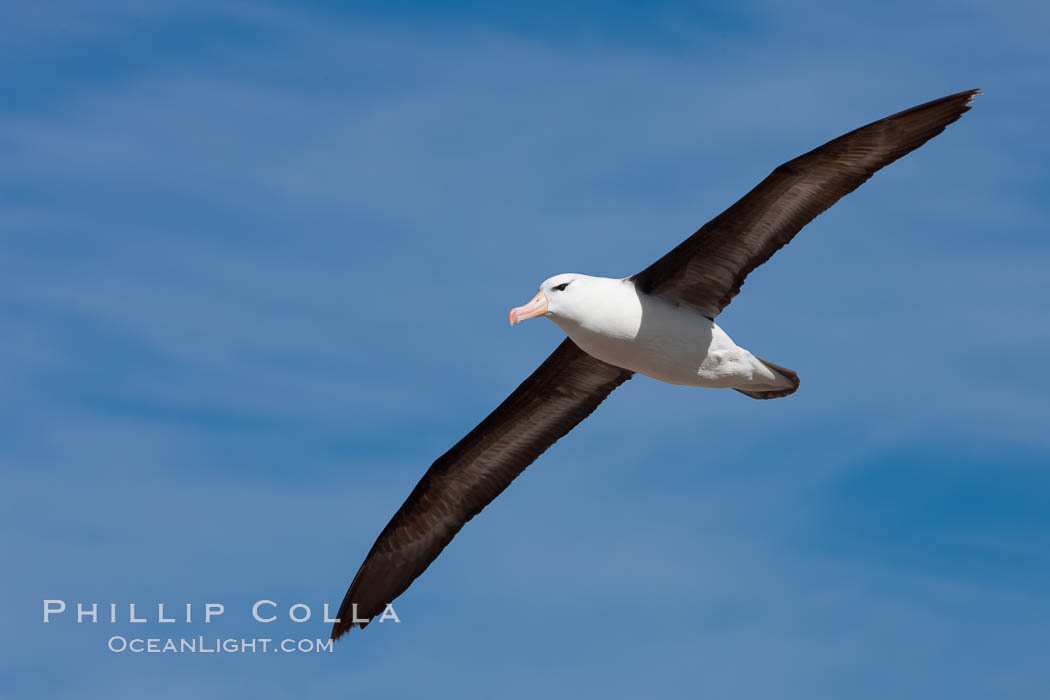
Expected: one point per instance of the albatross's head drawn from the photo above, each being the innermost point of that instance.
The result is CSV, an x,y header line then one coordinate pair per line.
x,y
560,296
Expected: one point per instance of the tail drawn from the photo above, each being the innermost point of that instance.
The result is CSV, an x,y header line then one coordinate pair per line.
x,y
787,375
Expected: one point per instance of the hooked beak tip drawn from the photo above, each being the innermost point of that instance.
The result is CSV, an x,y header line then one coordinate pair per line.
x,y
536,307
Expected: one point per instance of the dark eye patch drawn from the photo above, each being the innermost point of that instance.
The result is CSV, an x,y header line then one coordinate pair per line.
x,y
561,287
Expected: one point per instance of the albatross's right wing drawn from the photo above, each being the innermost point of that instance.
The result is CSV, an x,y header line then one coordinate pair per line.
x,y
565,389
706,270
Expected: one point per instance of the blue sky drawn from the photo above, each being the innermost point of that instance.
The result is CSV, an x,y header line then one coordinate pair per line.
x,y
255,273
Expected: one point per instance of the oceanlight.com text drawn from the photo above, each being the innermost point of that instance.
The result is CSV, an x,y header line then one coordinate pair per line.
x,y
216,645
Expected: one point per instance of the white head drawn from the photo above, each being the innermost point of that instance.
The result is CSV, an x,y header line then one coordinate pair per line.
x,y
562,297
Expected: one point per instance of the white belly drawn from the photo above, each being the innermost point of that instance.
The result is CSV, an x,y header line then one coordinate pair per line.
x,y
673,344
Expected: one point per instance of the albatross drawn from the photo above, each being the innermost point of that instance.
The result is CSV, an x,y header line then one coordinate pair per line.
x,y
658,322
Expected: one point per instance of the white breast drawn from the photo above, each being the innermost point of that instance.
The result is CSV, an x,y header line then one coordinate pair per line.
x,y
674,344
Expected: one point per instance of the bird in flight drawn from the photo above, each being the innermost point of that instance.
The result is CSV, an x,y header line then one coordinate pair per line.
x,y
658,322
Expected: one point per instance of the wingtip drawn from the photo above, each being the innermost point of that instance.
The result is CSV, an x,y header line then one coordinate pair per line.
x,y
339,631
963,99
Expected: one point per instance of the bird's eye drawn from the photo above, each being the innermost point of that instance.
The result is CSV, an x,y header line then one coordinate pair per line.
x,y
561,287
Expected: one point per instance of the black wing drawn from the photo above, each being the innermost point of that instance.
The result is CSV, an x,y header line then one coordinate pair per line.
x,y
706,270
565,389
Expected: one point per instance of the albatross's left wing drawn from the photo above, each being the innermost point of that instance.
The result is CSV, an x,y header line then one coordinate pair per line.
x,y
565,389
706,270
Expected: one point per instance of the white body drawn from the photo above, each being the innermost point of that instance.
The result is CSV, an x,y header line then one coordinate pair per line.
x,y
611,320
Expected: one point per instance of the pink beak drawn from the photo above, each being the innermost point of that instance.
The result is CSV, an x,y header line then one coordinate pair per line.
x,y
536,307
